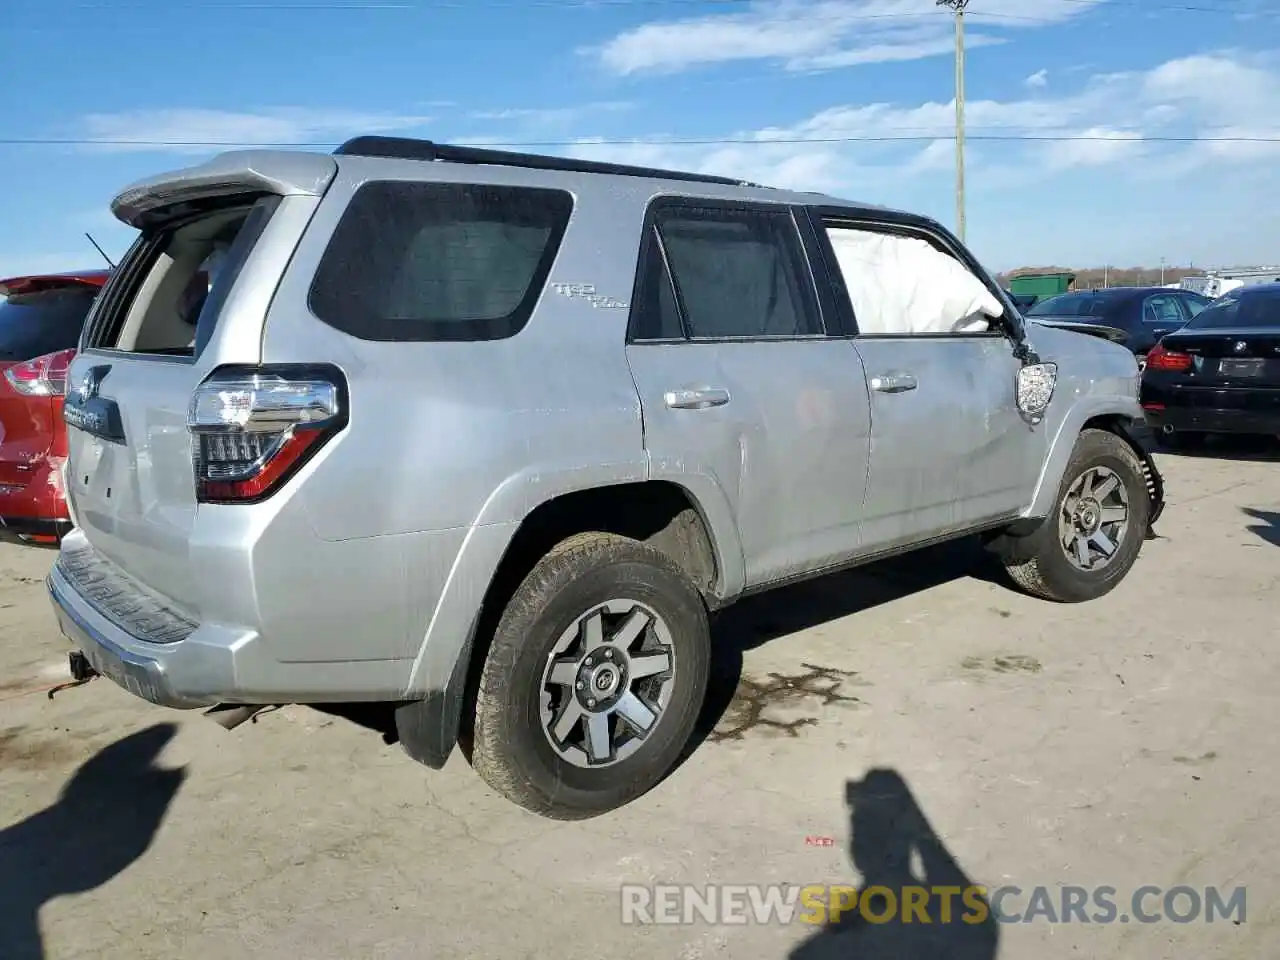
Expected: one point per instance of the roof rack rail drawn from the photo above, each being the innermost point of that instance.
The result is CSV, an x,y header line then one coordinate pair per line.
x,y
408,148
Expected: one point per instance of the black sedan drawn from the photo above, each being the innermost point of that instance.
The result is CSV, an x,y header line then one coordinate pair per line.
x,y
1221,372
1135,316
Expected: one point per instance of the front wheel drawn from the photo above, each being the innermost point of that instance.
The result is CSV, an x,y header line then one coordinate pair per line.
x,y
1092,538
594,680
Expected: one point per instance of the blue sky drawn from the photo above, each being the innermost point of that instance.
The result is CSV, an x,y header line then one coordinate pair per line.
x,y
800,87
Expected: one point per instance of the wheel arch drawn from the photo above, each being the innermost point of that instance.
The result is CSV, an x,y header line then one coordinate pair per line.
x,y
1119,415
697,532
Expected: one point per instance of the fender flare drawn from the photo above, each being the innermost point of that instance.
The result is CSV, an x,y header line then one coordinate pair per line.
x,y
1124,417
429,720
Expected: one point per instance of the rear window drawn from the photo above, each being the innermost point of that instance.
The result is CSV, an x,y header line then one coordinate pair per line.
x,y
426,261
32,324
1082,305
1254,309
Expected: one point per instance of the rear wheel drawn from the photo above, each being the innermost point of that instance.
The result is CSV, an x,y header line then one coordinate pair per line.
x,y
594,679
1092,538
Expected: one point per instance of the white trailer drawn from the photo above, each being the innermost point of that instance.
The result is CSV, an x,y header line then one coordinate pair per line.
x,y
1217,282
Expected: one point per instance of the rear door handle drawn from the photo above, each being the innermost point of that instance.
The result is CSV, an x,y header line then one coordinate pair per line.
x,y
895,383
698,399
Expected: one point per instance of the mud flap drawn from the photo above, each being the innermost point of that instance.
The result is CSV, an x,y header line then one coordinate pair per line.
x,y
1143,440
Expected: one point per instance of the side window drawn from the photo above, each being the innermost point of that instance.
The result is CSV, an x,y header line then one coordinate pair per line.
x,y
1193,304
905,286
412,261
738,273
655,315
1161,308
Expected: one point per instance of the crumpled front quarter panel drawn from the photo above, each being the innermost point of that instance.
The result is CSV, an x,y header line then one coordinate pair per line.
x,y
1096,378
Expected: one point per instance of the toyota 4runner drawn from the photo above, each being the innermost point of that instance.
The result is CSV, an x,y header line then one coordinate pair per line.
x,y
488,436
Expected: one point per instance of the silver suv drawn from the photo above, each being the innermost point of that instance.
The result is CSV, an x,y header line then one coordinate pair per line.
x,y
489,436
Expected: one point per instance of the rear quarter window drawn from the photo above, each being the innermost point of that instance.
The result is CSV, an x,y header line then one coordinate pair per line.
x,y
428,261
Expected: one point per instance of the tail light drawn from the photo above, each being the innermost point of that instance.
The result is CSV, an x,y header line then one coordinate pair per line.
x,y
1161,358
45,376
253,428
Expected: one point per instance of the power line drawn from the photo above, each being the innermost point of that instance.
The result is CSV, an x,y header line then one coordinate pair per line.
x,y
653,142
412,5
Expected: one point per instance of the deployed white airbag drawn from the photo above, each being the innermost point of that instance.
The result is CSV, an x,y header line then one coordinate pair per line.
x,y
905,285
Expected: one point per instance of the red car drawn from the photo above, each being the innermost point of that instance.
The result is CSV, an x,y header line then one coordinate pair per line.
x,y
40,321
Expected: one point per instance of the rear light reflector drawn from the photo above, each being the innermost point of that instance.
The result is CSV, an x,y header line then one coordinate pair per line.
x,y
45,376
253,428
1161,358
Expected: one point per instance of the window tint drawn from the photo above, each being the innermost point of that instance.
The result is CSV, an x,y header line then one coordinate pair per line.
x,y
423,261
1074,305
1194,303
33,324
739,273
656,314
1239,310
1161,308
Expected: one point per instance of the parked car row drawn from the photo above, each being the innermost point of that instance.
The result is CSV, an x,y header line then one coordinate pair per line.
x,y
1135,316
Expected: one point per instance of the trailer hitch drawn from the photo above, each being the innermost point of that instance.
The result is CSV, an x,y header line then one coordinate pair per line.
x,y
81,673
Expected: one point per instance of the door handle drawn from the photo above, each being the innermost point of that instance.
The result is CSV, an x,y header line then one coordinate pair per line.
x,y
896,383
696,399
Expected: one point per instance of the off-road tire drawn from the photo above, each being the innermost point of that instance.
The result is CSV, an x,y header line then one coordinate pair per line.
x,y
1037,562
510,750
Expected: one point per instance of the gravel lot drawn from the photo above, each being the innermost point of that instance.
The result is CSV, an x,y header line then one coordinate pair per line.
x,y
1119,743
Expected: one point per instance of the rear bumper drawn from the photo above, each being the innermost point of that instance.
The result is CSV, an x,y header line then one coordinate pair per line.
x,y
34,504
1171,405
1210,420
34,531
210,663
114,657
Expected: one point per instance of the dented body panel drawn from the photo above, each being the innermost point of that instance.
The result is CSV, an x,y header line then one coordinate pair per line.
x,y
364,576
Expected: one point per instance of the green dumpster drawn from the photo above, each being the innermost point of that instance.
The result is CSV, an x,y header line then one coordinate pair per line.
x,y
1041,285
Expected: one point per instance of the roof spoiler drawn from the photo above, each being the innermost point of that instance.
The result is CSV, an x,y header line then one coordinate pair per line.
x,y
34,283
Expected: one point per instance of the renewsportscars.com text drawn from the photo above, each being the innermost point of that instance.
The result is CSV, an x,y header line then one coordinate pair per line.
x,y
823,904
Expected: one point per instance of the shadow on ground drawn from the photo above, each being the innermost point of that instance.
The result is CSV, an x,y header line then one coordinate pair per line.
x,y
1269,528
888,832
1241,447
104,820
755,621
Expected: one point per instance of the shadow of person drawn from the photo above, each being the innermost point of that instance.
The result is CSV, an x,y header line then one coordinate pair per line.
x,y
104,820
926,910
1269,528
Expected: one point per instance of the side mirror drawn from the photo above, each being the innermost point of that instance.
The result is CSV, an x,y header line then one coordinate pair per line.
x,y
1035,389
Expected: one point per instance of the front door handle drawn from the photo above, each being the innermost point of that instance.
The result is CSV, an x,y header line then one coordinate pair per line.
x,y
895,383
698,399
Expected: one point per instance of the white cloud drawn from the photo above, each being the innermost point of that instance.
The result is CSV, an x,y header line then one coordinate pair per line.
x,y
1112,119
1112,134
195,130
818,34
1038,79
552,116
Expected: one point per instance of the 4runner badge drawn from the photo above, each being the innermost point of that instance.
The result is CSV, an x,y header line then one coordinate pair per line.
x,y
587,291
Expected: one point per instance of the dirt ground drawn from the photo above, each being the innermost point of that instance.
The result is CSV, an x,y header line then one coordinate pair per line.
x,y
1009,741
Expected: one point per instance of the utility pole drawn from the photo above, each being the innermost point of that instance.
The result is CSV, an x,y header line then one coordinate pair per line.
x,y
958,6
